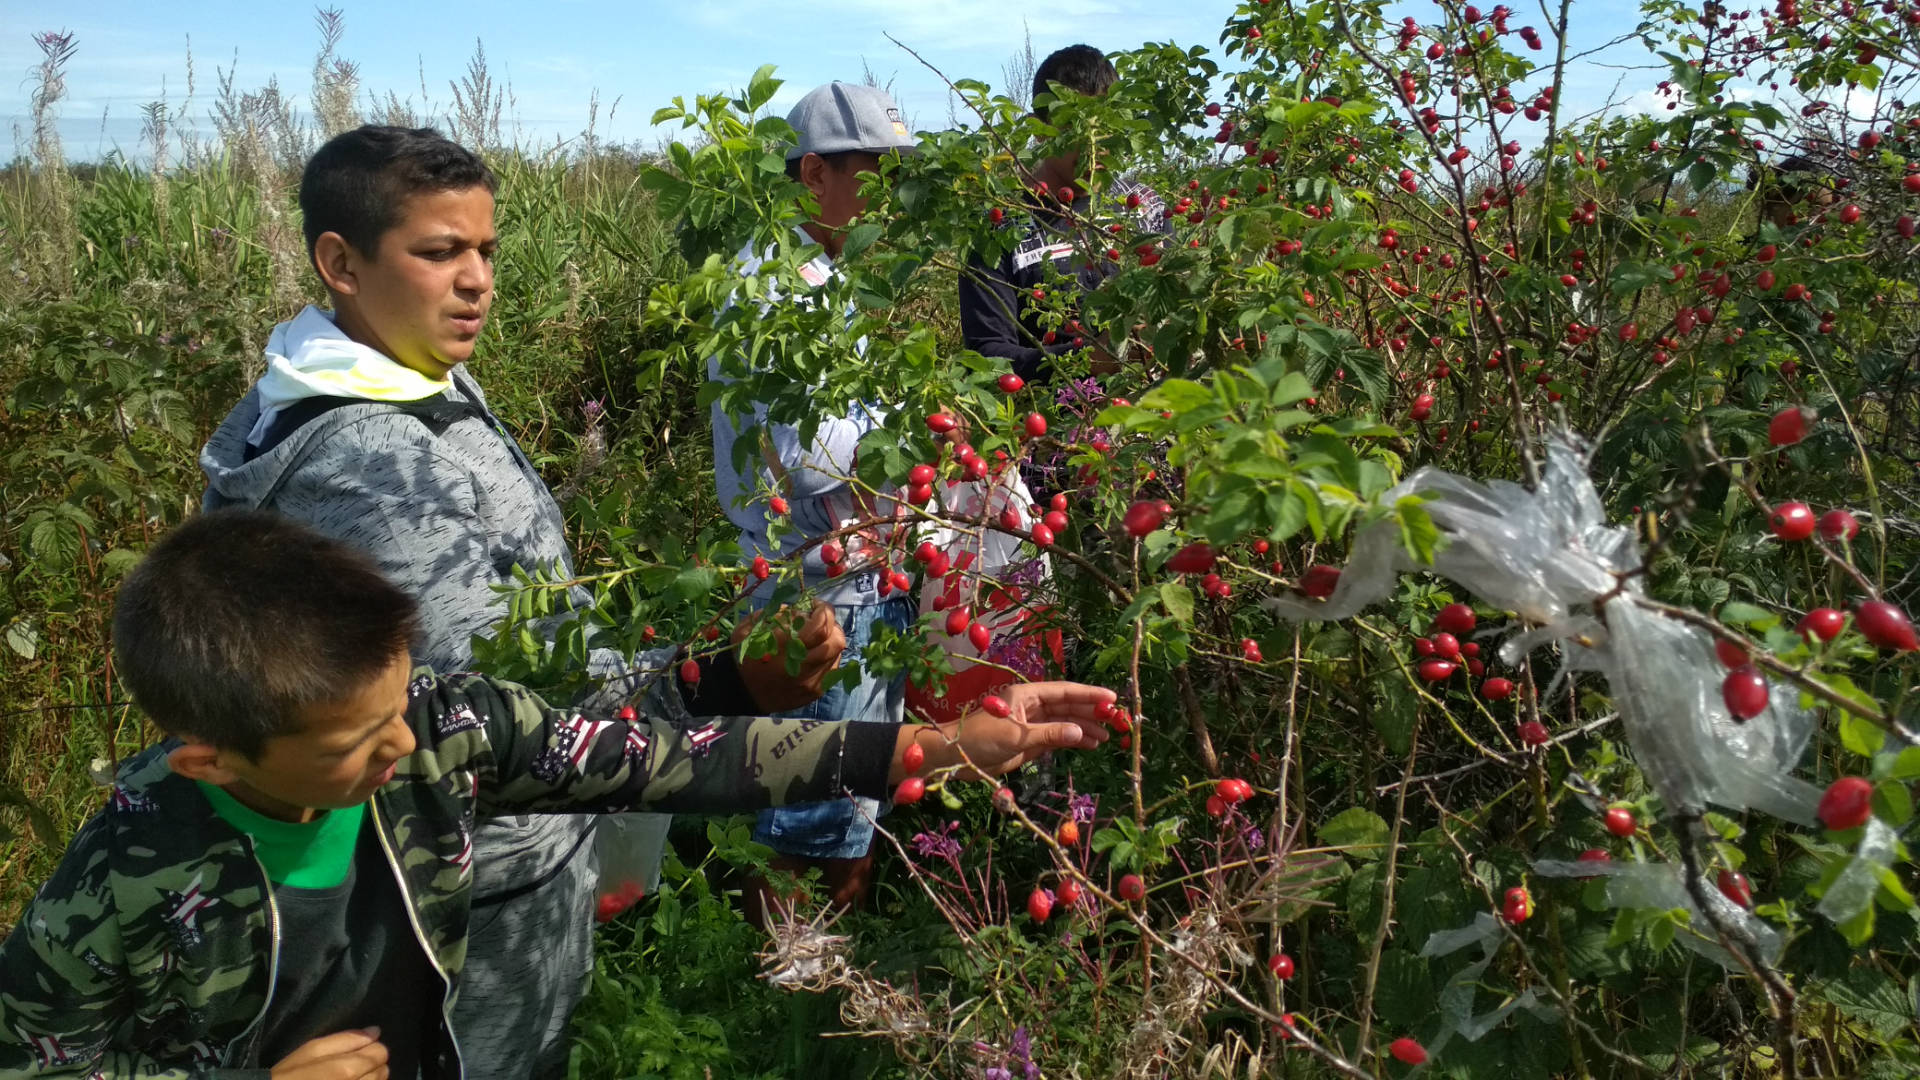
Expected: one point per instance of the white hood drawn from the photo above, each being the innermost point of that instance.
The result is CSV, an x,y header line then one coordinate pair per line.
x,y
310,357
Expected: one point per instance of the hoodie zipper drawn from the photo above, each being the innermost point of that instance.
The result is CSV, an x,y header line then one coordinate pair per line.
x,y
252,1034
420,934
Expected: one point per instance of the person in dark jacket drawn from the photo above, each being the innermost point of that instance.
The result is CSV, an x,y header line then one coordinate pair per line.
x,y
368,426
998,312
282,889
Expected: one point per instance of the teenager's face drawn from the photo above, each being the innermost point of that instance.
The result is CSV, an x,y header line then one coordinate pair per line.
x,y
423,296
340,755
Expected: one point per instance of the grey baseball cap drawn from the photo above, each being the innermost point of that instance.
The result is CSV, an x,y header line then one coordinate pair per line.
x,y
839,117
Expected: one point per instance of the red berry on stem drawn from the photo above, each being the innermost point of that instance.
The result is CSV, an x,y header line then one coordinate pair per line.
x,y
957,621
1131,888
1496,689
1791,521
1847,804
778,505
912,758
1068,834
1620,822
1143,517
1195,558
1885,626
1447,646
690,672
1437,670
1068,892
910,790
996,706
980,636
1839,525
1456,619
1534,733
1039,904
1745,692
1789,425
1733,885
940,423
1320,580
1011,383
1824,623
1036,425
1730,654
1281,965
1407,1051
921,474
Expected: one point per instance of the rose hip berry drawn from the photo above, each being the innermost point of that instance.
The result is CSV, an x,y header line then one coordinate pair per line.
x,y
1791,521
1885,626
1847,804
1745,692
1620,821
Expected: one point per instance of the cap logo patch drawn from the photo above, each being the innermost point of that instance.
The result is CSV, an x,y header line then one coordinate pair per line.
x,y
899,125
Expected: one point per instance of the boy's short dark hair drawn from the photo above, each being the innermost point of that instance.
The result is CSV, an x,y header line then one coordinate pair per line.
x,y
1082,69
355,184
240,619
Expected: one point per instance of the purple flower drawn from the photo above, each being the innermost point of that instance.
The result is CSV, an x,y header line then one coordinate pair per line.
x,y
1079,390
1253,837
592,409
940,845
1080,808
995,1072
1021,1047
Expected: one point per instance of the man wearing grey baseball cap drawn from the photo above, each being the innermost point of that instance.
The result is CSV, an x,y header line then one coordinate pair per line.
x,y
842,130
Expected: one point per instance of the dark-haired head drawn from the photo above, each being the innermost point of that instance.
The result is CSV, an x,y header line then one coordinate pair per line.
x,y
358,183
240,622
1082,69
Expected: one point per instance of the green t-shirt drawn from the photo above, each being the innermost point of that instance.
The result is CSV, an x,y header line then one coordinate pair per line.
x,y
305,855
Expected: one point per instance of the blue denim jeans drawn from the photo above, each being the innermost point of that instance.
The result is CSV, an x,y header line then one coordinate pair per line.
x,y
842,828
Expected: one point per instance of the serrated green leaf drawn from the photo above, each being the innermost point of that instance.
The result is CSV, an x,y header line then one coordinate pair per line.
x,y
1361,831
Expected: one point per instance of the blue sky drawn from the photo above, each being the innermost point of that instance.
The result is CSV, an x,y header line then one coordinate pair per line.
x,y
557,53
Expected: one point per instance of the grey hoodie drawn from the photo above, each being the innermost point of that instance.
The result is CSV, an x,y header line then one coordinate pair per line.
x,y
447,516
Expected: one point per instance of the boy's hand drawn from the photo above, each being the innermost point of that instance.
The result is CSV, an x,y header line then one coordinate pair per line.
x,y
346,1055
1043,716
766,677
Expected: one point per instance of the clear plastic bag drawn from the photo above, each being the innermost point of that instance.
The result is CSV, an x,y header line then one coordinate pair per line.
x,y
1456,1000
1658,885
628,848
1549,555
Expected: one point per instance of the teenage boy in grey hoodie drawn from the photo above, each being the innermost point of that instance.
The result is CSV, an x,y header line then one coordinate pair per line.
x,y
368,427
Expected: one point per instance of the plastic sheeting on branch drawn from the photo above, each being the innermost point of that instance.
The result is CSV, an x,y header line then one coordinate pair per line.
x,y
1551,556
1456,1001
1659,886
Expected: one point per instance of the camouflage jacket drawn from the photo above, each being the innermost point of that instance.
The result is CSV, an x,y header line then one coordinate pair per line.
x,y
152,950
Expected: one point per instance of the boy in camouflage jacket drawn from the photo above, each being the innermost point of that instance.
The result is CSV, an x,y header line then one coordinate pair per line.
x,y
276,661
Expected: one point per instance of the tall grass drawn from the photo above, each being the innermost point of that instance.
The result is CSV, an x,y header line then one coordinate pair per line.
x,y
134,299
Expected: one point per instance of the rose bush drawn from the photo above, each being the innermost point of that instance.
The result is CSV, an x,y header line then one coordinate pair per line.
x,y
1393,243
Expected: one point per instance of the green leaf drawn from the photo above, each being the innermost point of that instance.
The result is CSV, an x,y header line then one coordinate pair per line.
x,y
1177,396
1868,996
1418,534
1738,613
761,88
859,239
1860,736
23,639
1358,829
1178,600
